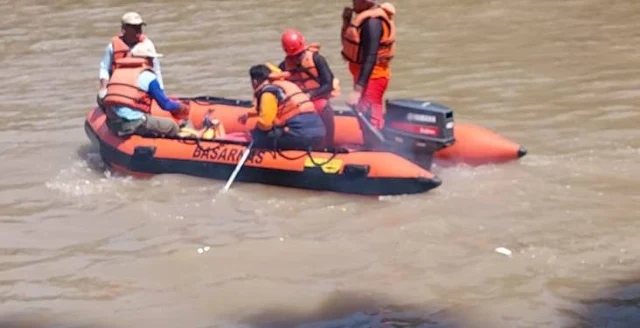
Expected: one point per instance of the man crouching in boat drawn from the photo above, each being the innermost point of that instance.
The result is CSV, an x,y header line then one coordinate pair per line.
x,y
287,119
130,91
311,72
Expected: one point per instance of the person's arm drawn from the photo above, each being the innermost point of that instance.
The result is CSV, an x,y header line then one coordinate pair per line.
x,y
158,71
105,66
325,77
158,94
156,64
371,34
148,81
281,66
268,111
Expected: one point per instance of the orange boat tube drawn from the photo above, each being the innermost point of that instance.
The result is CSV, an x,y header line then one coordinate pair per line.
x,y
476,146
473,145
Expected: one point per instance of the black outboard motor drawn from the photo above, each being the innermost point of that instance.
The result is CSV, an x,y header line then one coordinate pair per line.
x,y
416,129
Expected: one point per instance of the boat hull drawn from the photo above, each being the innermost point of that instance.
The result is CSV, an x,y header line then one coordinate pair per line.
x,y
352,172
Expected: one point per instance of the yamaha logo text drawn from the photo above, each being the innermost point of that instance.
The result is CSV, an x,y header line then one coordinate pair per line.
x,y
421,118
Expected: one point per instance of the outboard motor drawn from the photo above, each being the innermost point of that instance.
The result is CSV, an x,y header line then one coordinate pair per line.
x,y
417,129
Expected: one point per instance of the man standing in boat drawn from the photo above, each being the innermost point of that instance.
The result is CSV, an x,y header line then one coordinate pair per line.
x,y
120,47
287,119
368,44
129,95
311,73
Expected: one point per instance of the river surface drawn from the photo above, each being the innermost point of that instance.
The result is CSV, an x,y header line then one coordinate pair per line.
x,y
79,246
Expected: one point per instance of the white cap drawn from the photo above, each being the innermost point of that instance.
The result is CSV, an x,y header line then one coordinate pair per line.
x,y
144,49
132,18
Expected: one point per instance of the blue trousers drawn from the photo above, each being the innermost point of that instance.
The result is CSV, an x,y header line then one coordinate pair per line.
x,y
302,132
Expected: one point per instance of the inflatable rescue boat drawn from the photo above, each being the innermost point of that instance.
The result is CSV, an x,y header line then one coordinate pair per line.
x,y
416,133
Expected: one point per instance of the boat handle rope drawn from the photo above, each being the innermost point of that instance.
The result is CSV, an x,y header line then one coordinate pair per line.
x,y
196,141
307,152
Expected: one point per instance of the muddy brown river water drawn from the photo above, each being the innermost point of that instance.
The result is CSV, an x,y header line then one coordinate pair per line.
x,y
79,246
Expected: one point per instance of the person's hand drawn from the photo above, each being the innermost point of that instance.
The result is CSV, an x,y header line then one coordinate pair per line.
x,y
102,93
242,119
183,111
354,98
100,97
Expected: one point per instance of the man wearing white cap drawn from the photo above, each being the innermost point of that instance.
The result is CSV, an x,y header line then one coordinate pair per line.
x,y
120,46
129,96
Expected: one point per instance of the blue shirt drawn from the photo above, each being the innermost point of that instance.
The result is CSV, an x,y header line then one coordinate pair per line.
x,y
147,82
105,64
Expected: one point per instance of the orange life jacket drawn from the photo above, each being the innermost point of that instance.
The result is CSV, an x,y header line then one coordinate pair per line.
x,y
122,89
121,49
293,101
305,73
351,34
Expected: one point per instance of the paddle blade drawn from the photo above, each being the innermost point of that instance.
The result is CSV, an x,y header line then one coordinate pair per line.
x,y
245,155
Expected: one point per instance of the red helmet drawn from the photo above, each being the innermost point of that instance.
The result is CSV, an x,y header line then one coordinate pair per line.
x,y
292,42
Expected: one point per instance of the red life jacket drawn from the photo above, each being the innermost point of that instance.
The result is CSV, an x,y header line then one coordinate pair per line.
x,y
122,88
121,49
295,101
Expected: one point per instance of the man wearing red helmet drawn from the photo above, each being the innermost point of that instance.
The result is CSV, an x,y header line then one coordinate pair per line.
x,y
310,71
368,44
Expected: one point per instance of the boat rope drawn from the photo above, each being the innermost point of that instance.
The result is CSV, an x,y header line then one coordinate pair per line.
x,y
194,140
307,152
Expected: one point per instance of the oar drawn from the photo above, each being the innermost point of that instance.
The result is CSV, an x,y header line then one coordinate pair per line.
x,y
238,167
363,120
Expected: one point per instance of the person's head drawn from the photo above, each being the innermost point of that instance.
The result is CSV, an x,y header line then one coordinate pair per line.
x,y
131,25
259,74
293,42
362,5
145,50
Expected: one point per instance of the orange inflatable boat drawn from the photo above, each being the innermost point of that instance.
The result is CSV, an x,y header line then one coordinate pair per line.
x,y
416,133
